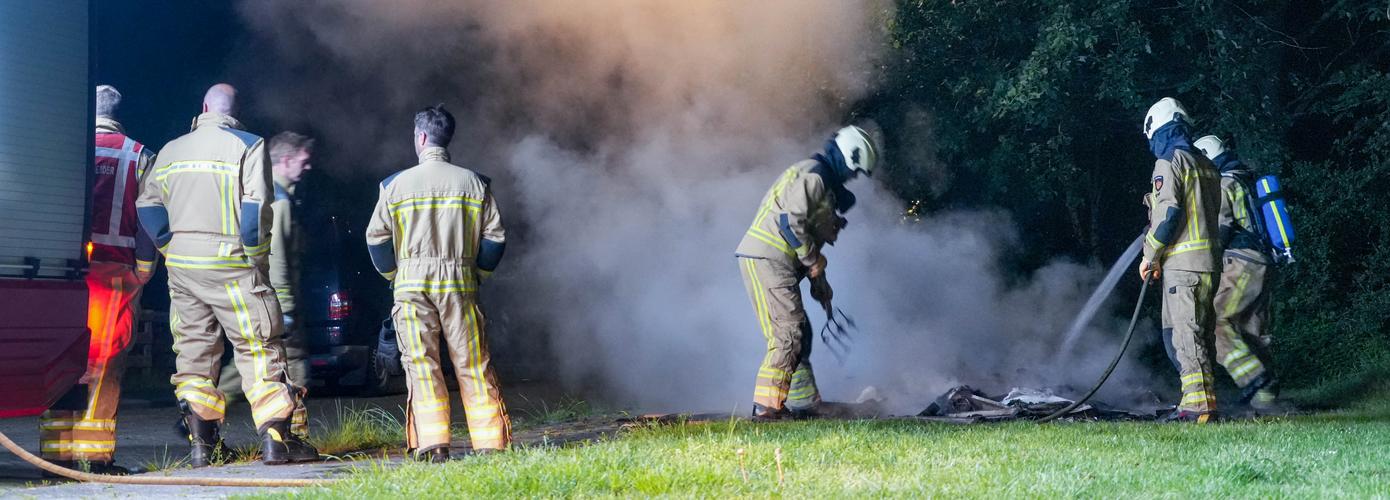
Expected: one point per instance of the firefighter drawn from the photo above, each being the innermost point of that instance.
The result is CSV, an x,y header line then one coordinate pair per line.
x,y
122,259
206,203
290,155
1242,297
797,217
1181,250
436,234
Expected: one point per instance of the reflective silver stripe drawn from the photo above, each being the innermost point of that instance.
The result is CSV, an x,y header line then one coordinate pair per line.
x,y
113,240
126,157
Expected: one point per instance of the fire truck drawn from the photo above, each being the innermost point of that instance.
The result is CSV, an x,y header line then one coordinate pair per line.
x,y
46,148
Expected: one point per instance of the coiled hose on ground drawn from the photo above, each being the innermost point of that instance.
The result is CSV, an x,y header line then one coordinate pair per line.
x,y
1133,320
147,479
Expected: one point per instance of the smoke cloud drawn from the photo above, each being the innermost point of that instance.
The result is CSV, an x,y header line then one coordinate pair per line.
x,y
631,142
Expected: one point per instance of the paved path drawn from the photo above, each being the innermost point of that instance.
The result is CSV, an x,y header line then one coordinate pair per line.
x,y
147,438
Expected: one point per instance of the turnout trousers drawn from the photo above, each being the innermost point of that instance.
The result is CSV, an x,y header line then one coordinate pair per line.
x,y
1189,323
212,295
436,302
296,366
1242,305
113,302
785,378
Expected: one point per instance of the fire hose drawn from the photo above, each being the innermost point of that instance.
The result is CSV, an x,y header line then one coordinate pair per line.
x,y
146,479
1133,321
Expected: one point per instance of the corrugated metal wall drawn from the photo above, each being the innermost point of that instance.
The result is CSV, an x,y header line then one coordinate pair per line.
x,y
45,131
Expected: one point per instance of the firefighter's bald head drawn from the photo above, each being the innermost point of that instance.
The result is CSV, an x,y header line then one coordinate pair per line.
x,y
221,98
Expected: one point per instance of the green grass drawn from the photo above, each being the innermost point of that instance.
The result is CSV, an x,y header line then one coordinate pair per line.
x,y
1345,453
361,430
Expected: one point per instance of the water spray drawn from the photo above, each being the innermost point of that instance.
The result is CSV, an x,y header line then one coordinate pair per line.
x,y
1129,335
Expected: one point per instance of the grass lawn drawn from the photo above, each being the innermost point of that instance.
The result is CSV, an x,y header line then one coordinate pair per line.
x,y
1345,453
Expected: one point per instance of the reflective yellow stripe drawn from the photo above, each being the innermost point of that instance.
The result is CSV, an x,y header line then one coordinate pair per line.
x,y
772,372
475,341
270,410
81,425
248,333
466,285
1245,368
1234,356
1190,246
196,166
202,399
759,301
81,445
261,390
259,250
1196,397
425,376
769,391
196,262
773,241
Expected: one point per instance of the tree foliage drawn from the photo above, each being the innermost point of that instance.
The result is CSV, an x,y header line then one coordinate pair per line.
x,y
1036,106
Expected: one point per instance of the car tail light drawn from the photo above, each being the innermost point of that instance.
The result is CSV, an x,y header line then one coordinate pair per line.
x,y
339,306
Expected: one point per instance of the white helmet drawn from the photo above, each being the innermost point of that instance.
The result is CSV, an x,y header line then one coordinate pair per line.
x,y
1161,113
857,148
1211,146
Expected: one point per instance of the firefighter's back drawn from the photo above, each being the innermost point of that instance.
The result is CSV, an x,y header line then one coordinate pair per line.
x,y
201,177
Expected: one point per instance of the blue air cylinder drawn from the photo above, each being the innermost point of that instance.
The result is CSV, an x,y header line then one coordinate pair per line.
x,y
1276,216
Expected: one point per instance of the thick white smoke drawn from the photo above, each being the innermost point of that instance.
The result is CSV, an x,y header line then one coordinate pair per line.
x,y
632,141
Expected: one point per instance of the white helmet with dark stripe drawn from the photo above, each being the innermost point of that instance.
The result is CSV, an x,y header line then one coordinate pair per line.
x,y
1211,146
1161,113
857,148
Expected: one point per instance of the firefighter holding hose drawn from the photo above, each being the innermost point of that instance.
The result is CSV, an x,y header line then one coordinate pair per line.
x,y
797,217
1181,249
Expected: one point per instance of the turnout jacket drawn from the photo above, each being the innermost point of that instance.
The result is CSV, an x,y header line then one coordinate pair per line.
x,y
1183,210
206,202
796,217
286,246
439,216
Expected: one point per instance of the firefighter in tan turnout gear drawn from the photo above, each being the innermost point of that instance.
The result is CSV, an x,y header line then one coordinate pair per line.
x,y
797,217
122,260
206,203
1242,297
290,155
435,234
1181,249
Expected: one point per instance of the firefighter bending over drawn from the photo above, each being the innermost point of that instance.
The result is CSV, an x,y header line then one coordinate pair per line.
x,y
797,217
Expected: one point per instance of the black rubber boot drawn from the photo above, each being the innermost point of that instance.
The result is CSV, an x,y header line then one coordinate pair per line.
x,y
107,468
1190,416
279,446
204,440
764,414
437,455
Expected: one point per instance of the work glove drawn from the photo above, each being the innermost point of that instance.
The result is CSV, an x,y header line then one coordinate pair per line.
x,y
817,267
821,291
1150,270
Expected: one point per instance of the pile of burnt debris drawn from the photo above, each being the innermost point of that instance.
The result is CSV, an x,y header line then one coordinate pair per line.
x,y
965,404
